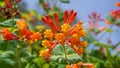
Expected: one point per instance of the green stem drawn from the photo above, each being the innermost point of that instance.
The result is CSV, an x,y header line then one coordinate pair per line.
x,y
7,45
18,57
64,51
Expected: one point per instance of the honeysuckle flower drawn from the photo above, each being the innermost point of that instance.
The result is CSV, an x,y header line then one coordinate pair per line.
x,y
8,4
117,4
22,25
27,34
108,22
60,37
17,0
35,36
93,23
88,65
48,34
115,14
80,64
93,20
64,34
8,35
45,54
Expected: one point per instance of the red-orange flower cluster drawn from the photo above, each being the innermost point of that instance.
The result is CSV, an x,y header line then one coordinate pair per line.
x,y
115,13
7,35
117,4
79,65
27,34
64,34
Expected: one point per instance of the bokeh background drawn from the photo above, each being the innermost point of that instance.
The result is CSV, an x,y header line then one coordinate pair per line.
x,y
83,8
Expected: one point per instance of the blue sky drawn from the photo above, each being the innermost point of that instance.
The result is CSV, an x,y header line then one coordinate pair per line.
x,y
82,7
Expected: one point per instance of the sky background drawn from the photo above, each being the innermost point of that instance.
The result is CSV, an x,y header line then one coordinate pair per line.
x,y
83,8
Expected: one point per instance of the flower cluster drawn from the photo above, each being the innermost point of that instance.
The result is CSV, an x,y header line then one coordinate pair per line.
x,y
80,64
117,4
7,35
27,34
93,23
63,34
114,15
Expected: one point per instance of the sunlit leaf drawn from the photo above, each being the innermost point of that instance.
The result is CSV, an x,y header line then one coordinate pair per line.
x,y
102,44
108,30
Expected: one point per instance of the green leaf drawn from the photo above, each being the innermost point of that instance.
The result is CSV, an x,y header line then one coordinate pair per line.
x,y
33,66
28,65
46,65
58,55
102,45
110,18
108,30
65,1
61,66
8,54
109,56
117,22
8,57
41,1
2,4
25,53
89,38
8,23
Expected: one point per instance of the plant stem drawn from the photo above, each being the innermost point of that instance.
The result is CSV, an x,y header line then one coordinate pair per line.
x,y
18,57
64,51
7,45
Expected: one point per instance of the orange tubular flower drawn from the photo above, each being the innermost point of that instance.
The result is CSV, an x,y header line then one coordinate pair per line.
x,y
117,4
48,34
46,43
28,35
45,54
65,28
88,65
22,24
8,4
79,65
115,13
35,36
60,37
65,34
108,22
7,35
